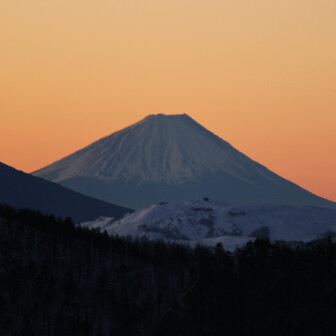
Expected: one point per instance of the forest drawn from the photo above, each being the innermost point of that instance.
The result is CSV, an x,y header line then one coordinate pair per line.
x,y
59,279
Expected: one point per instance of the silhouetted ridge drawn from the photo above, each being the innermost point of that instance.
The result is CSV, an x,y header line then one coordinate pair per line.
x,y
22,190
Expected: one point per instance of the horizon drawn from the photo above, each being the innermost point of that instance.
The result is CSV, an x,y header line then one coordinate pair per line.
x,y
260,77
165,114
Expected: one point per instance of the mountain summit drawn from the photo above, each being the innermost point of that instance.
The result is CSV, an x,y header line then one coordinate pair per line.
x,y
171,158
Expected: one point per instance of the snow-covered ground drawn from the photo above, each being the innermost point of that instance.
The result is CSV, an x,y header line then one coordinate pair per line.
x,y
212,222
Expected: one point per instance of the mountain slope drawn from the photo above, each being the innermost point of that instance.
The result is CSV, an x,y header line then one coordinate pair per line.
x,y
171,158
22,190
212,222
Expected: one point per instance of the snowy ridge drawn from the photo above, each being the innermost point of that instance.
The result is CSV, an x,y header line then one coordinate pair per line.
x,y
212,222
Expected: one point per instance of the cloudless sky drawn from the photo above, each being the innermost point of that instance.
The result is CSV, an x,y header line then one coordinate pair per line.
x,y
260,74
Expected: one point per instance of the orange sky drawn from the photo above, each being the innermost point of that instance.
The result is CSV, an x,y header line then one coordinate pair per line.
x,y
261,74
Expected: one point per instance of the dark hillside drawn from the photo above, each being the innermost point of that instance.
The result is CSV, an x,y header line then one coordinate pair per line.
x,y
56,279
22,190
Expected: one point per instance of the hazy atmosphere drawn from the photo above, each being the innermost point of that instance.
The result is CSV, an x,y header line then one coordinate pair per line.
x,y
259,74
167,167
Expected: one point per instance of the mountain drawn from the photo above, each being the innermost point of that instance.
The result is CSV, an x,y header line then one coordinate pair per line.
x,y
171,158
233,225
22,190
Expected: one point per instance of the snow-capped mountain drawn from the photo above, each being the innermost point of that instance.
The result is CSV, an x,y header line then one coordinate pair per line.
x,y
231,224
171,158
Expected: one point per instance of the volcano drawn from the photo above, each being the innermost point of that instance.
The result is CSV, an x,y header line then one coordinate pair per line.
x,y
165,158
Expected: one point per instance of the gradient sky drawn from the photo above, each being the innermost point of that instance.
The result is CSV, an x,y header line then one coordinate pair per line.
x,y
260,74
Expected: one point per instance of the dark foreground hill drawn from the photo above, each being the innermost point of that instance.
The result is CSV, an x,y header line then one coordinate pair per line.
x,y
60,280
22,190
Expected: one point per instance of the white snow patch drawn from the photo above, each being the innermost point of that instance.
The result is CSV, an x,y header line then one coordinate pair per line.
x,y
212,222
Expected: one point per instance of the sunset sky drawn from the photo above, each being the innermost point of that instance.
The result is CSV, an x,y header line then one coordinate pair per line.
x,y
260,74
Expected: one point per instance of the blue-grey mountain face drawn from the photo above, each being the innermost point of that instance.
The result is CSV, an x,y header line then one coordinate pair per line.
x,y
171,158
22,190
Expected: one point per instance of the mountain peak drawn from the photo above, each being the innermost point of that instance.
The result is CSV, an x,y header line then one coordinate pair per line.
x,y
162,115
171,148
166,117
171,157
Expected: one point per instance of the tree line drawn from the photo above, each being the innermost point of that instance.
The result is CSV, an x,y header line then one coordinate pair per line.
x,y
59,279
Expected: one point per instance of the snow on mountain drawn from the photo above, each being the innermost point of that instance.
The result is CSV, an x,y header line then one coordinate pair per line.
x,y
172,149
171,158
212,222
